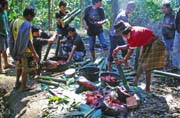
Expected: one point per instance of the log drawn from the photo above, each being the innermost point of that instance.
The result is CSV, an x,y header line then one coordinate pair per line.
x,y
60,80
166,74
71,17
69,14
47,52
48,82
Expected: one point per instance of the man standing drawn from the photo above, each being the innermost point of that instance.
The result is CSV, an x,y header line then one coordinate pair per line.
x,y
21,47
4,31
153,49
94,19
168,31
176,45
118,40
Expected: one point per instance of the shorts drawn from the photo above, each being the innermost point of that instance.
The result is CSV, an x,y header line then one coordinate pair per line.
x,y
3,43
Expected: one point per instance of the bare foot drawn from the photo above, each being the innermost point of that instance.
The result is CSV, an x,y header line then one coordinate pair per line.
x,y
27,88
147,90
2,71
8,66
17,85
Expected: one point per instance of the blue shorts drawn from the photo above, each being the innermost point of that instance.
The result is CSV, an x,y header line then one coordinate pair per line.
x,y
168,43
92,41
78,55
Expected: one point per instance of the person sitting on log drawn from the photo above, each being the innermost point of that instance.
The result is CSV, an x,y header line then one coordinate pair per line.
x,y
40,39
73,45
153,52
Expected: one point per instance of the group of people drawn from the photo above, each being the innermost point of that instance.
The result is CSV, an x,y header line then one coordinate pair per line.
x,y
26,41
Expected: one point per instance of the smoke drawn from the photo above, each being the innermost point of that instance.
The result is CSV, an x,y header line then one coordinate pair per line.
x,y
165,1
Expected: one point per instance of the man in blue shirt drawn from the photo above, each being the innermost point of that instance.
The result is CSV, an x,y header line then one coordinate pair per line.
x,y
118,40
94,19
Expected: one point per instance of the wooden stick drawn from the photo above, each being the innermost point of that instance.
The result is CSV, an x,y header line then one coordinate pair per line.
x,y
47,52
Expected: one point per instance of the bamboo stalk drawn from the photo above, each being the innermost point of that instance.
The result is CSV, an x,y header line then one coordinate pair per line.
x,y
166,74
121,73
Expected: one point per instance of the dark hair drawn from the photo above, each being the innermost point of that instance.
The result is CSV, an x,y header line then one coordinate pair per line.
x,y
3,3
62,3
126,32
71,29
29,11
35,29
95,1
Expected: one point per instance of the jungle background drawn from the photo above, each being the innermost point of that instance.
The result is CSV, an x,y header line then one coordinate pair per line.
x,y
147,12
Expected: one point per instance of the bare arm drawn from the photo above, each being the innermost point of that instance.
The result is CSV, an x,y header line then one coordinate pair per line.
x,y
53,38
129,53
71,53
35,55
63,40
60,22
116,50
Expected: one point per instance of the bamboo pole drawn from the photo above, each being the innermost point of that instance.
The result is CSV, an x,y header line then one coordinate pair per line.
x,y
177,76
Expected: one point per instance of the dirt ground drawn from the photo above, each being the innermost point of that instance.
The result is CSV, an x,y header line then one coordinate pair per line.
x,y
165,102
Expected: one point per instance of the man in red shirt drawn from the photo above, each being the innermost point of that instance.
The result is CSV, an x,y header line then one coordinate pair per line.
x,y
153,49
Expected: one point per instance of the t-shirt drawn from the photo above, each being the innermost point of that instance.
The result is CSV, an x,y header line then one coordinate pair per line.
x,y
4,23
38,44
61,15
139,36
78,43
91,17
169,19
16,26
121,16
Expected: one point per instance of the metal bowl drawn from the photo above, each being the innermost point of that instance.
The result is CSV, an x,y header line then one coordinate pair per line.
x,y
90,72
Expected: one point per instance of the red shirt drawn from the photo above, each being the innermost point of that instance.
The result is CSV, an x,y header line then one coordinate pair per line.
x,y
139,36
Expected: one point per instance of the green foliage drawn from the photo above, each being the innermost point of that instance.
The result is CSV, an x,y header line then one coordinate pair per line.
x,y
16,8
149,10
145,10
59,100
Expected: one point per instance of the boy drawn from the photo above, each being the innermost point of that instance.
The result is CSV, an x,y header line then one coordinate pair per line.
x,y
94,19
61,28
21,47
4,32
75,45
40,39
153,51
